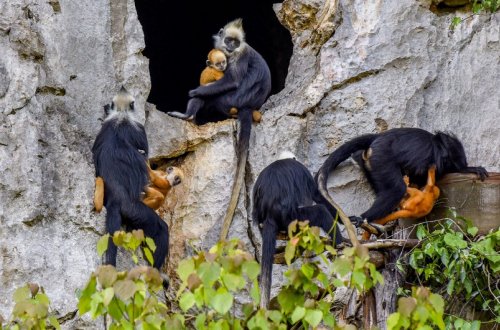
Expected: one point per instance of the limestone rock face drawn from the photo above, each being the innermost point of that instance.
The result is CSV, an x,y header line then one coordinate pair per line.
x,y
60,62
357,67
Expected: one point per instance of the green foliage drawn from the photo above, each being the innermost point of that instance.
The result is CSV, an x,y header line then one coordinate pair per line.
x,y
478,7
210,281
128,298
130,241
423,310
459,263
307,297
31,310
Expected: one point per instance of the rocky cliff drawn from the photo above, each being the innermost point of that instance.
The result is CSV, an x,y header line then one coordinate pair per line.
x,y
357,67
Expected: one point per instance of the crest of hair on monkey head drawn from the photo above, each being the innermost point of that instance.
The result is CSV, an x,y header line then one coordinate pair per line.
x,y
123,106
286,155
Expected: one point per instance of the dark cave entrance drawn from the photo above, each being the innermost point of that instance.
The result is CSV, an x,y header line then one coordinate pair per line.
x,y
177,51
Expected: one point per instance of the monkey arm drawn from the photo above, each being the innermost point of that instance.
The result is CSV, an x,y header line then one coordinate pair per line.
x,y
154,198
225,84
479,171
159,180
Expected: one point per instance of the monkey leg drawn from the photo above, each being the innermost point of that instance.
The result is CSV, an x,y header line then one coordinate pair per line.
x,y
256,116
391,217
319,216
194,105
154,198
99,194
139,216
233,112
415,197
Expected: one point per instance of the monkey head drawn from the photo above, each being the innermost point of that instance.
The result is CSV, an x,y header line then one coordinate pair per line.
x,y
217,60
231,38
287,155
122,105
174,175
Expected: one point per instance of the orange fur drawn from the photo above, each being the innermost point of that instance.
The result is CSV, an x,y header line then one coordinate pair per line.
x,y
417,203
99,194
212,72
155,192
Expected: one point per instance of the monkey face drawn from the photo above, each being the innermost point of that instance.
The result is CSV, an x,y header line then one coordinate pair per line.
x,y
231,38
221,66
174,175
123,101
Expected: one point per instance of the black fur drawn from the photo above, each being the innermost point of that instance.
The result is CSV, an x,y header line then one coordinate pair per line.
x,y
285,191
119,161
398,152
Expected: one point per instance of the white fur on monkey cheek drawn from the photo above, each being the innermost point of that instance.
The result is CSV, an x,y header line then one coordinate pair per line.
x,y
171,179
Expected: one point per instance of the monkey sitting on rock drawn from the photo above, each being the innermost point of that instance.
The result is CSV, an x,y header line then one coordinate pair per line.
x,y
216,65
154,193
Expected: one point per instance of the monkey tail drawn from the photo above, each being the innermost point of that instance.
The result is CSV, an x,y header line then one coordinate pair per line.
x,y
269,232
338,156
245,118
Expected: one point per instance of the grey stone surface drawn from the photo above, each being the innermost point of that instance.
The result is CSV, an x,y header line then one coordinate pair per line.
x,y
357,67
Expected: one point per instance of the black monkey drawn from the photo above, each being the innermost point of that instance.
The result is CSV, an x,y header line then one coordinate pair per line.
x,y
285,191
246,85
388,156
120,157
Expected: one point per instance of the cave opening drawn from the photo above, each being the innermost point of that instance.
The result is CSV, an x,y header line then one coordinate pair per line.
x,y
177,51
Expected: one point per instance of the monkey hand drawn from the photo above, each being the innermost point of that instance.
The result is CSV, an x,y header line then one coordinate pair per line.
x,y
195,92
479,171
356,220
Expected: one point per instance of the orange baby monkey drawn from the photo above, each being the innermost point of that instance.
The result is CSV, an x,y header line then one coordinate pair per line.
x,y
161,183
155,193
216,65
416,204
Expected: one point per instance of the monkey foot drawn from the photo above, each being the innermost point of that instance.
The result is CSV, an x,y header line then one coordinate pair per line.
x,y
180,115
374,228
356,221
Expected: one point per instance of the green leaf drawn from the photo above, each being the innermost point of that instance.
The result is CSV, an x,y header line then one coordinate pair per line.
x,y
102,245
392,321
185,268
148,255
275,316
53,321
255,292
222,301
455,21
209,273
200,321
186,301
308,270
22,293
455,241
151,244
107,296
297,315
289,253
252,269
124,289
313,317
233,282
472,231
